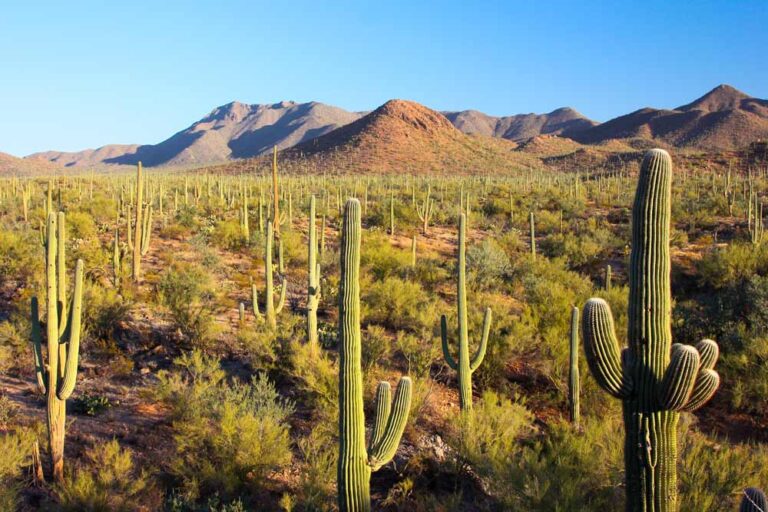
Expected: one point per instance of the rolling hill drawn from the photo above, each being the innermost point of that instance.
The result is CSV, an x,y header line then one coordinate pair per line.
x,y
724,118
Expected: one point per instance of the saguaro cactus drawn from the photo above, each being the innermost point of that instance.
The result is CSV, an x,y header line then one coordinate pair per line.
x,y
355,463
654,378
270,311
313,284
574,387
753,501
464,366
56,380
137,242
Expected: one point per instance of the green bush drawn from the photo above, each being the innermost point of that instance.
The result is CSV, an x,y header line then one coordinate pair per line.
x,y
228,436
186,290
107,481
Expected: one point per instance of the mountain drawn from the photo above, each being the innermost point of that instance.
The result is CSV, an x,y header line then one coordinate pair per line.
x,y
234,130
563,121
724,118
405,137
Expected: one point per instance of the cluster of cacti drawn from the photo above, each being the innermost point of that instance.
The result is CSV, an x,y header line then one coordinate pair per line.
x,y
465,366
313,285
270,310
355,463
654,378
56,380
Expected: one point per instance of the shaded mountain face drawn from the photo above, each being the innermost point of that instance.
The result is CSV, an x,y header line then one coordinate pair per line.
x,y
234,130
724,118
404,137
563,121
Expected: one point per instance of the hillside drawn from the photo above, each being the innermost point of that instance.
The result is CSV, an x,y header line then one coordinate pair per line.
x,y
724,118
14,166
406,137
563,121
234,130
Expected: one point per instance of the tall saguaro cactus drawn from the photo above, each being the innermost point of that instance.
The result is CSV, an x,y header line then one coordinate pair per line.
x,y
464,366
56,380
355,462
654,378
270,310
313,285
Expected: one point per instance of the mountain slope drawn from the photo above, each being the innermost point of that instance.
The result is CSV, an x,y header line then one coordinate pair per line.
x,y
724,118
563,121
14,166
406,137
234,130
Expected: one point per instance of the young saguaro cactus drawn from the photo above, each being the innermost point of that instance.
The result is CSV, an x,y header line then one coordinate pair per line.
x,y
654,378
754,500
464,366
355,462
270,310
313,285
574,387
56,380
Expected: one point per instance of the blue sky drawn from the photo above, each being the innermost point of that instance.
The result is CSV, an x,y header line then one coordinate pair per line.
x,y
81,74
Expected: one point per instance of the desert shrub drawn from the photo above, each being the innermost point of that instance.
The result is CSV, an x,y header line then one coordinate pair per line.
x,y
487,264
713,474
377,344
19,256
381,257
317,378
186,290
15,456
14,342
228,235
316,487
399,305
107,481
558,471
228,436
106,310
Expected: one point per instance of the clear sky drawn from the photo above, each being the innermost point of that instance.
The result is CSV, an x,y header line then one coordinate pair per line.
x,y
79,74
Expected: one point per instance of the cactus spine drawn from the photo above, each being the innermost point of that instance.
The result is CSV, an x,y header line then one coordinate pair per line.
x,y
464,366
754,500
270,311
654,378
574,387
56,380
313,286
355,464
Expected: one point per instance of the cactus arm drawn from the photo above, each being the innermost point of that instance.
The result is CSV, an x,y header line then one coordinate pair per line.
x,y
679,377
754,500
382,452
70,372
706,384
477,359
37,342
383,408
602,348
450,361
